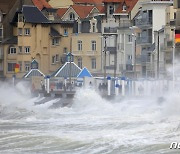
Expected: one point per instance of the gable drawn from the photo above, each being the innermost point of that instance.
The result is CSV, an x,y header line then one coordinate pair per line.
x,y
67,13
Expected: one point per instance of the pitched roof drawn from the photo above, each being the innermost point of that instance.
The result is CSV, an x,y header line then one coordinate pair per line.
x,y
12,40
54,33
33,72
40,4
84,73
61,11
82,11
101,8
64,71
112,1
130,5
33,15
96,2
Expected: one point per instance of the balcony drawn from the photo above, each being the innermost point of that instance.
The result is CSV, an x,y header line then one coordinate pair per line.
x,y
91,53
112,50
144,40
77,53
110,30
144,22
125,24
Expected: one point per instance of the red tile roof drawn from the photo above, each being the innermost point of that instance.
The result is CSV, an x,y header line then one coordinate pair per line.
x,y
130,5
101,8
112,1
40,4
96,2
82,11
61,11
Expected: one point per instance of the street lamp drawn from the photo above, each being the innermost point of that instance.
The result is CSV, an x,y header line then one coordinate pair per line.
x,y
134,55
157,32
105,50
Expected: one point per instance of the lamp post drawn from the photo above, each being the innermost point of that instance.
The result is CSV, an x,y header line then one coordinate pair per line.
x,y
105,50
70,59
157,72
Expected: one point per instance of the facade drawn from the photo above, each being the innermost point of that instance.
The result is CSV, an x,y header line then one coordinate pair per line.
x,y
35,38
86,37
147,21
117,37
1,48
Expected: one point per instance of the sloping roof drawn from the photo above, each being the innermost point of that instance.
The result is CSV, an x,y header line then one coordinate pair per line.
x,y
96,2
112,1
130,5
33,15
82,11
33,72
54,33
64,71
12,40
84,73
101,8
40,4
62,11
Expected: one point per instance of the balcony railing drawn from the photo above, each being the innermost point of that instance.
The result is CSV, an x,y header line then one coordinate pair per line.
x,y
144,40
112,50
110,30
77,53
125,24
144,22
91,53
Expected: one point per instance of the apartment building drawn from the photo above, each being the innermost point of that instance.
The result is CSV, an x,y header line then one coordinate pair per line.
x,y
1,48
117,37
35,37
147,21
86,37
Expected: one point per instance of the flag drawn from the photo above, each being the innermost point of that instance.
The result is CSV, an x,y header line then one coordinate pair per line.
x,y
16,69
177,36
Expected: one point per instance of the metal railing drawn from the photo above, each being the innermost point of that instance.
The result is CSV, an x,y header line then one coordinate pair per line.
x,y
144,40
145,21
91,52
125,24
110,29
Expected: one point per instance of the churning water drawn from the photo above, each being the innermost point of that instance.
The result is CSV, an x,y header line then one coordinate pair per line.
x,y
91,125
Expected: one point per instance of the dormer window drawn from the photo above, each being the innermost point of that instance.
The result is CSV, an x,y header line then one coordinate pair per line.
x,y
111,9
20,18
124,7
72,16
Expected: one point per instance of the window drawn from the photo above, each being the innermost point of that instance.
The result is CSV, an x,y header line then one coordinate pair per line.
x,y
20,31
111,9
93,63
53,59
57,58
71,16
27,31
129,38
11,67
12,50
20,66
65,32
80,62
27,66
27,49
1,32
93,27
124,7
55,41
65,50
20,18
93,43
129,57
79,45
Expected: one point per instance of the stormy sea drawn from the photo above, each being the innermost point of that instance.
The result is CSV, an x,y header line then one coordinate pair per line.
x,y
88,124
